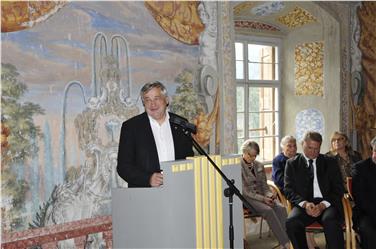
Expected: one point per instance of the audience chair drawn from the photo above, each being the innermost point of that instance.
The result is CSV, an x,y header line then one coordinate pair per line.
x,y
248,215
253,217
354,237
318,228
349,187
281,197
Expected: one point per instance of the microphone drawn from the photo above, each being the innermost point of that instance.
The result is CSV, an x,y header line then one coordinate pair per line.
x,y
183,123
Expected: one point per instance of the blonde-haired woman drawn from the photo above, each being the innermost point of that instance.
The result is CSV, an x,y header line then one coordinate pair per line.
x,y
341,149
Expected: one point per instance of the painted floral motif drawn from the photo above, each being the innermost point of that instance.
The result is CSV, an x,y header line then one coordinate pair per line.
x,y
243,7
309,62
296,18
255,25
309,120
268,8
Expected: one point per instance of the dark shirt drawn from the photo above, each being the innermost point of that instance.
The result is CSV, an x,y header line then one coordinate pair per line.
x,y
364,190
278,170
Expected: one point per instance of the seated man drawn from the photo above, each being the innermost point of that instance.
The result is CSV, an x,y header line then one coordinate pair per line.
x,y
313,184
364,193
289,148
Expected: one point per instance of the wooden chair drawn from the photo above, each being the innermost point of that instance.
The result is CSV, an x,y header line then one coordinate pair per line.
x,y
281,197
318,228
349,186
248,215
349,207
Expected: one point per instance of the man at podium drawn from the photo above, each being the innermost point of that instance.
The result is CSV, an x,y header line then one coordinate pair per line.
x,y
150,138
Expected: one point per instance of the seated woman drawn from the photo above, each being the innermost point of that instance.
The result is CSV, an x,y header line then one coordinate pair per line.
x,y
288,146
340,148
256,191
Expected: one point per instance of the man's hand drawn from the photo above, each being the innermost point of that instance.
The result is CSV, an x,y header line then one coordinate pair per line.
x,y
314,210
319,208
309,208
156,179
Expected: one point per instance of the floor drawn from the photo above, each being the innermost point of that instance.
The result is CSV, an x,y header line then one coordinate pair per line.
x,y
268,241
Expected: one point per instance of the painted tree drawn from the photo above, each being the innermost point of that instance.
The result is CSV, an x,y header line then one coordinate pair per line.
x,y
185,102
18,118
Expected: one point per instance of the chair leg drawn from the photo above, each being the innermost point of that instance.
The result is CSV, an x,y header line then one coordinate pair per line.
x,y
245,228
260,232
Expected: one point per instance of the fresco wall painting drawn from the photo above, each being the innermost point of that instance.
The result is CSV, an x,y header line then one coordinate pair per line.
x,y
74,77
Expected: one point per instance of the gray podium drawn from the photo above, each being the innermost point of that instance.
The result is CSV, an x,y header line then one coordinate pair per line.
x,y
188,211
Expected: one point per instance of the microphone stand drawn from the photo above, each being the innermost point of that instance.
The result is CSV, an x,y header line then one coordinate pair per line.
x,y
228,192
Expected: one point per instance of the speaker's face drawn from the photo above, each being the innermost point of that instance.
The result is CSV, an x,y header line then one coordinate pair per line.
x,y
156,104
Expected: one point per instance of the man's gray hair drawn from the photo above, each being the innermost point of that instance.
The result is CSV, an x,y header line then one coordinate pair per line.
x,y
150,85
312,135
286,139
373,142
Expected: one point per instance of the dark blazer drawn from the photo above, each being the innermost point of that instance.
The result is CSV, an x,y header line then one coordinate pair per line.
x,y
278,170
364,190
298,184
138,156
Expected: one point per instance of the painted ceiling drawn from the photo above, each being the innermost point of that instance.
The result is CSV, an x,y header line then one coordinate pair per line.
x,y
279,17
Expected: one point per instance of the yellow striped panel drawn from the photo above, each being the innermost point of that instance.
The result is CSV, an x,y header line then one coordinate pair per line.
x,y
212,205
198,201
219,193
208,202
181,167
205,201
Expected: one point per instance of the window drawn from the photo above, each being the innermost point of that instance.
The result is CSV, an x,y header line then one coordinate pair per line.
x,y
257,95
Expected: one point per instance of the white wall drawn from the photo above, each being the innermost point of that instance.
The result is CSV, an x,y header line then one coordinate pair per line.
x,y
327,30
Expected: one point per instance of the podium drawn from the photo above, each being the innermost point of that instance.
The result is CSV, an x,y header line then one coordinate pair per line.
x,y
188,211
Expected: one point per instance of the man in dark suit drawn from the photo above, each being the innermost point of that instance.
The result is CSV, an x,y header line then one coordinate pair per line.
x,y
150,138
364,193
313,185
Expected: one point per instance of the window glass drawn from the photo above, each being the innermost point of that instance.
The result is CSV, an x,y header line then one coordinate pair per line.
x,y
239,57
239,70
262,62
257,101
239,51
240,125
240,99
269,148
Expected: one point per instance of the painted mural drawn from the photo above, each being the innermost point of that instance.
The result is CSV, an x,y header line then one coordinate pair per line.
x,y
309,69
297,18
309,120
364,82
70,80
